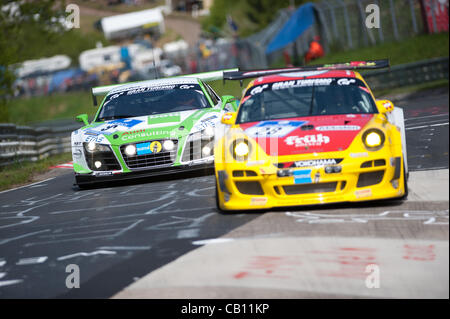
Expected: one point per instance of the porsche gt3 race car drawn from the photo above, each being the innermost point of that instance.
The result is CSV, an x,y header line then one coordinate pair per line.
x,y
311,135
150,127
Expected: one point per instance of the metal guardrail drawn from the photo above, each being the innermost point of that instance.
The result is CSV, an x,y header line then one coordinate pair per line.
x,y
25,143
408,74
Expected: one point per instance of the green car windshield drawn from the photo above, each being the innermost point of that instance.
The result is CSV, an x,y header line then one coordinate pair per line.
x,y
152,100
299,98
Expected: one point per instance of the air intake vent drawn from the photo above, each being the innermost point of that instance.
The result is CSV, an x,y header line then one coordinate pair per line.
x,y
370,178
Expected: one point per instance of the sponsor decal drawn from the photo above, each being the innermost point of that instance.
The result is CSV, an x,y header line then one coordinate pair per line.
x,y
345,81
210,118
302,176
317,162
115,125
338,128
388,106
148,148
149,89
356,155
227,116
273,128
258,89
255,163
112,126
141,134
96,139
363,193
102,173
307,140
164,118
125,122
209,121
112,97
92,133
258,201
185,86
301,83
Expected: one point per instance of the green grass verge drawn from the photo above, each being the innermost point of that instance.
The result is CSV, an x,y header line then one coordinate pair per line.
x,y
43,108
412,88
25,111
23,173
414,49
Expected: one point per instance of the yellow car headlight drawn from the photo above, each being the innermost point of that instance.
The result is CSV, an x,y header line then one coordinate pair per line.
x,y
241,149
373,139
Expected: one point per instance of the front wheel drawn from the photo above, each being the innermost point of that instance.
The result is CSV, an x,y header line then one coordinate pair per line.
x,y
220,210
405,183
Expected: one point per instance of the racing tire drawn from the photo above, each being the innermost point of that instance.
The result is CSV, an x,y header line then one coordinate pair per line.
x,y
220,210
405,183
84,186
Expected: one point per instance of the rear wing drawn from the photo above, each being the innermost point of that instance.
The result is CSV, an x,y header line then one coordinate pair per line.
x,y
204,76
354,65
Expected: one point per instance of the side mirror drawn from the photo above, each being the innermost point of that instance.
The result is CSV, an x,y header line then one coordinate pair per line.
x,y
83,118
229,118
229,99
385,106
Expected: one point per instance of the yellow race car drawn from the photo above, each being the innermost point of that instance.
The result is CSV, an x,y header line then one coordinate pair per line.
x,y
312,135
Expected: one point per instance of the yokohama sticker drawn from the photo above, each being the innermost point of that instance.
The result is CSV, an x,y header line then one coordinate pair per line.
x,y
318,162
307,140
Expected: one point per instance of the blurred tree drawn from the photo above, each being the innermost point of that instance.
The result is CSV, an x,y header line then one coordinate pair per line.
x,y
26,27
250,15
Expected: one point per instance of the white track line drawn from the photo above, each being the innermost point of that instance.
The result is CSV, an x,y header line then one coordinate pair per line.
x,y
424,126
423,117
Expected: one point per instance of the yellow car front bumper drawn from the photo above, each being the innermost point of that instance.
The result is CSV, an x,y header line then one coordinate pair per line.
x,y
243,187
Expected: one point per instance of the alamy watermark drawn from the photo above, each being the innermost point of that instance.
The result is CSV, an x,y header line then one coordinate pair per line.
x,y
373,19
73,280
73,19
373,279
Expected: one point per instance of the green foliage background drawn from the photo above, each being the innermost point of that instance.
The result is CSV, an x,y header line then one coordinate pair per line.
x,y
25,37
250,15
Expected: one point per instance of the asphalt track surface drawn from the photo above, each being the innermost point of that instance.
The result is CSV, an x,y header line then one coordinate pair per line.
x,y
119,234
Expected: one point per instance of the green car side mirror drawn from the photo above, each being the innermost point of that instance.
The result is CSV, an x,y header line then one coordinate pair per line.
x,y
83,118
231,100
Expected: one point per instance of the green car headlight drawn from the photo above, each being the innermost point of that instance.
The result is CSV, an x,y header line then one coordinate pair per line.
x,y
92,147
373,139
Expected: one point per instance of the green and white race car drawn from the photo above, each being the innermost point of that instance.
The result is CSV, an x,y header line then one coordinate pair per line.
x,y
150,127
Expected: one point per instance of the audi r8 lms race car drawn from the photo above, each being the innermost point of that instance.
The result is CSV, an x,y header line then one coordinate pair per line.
x,y
307,136
150,127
